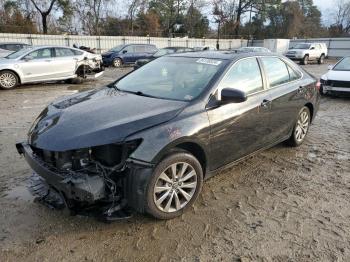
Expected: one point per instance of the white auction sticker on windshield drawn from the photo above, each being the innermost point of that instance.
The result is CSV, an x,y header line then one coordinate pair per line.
x,y
209,61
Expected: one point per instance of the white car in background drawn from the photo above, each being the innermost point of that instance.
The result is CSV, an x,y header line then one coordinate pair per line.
x,y
337,79
304,52
48,63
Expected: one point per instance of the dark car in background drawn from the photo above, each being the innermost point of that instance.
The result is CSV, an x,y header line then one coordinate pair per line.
x,y
7,48
149,140
162,52
127,54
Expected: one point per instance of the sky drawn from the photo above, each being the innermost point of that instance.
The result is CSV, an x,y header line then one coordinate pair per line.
x,y
327,8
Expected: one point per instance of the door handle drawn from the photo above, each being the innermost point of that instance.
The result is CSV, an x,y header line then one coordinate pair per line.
x,y
265,103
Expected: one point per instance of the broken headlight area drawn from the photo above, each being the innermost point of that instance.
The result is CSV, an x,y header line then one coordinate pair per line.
x,y
87,181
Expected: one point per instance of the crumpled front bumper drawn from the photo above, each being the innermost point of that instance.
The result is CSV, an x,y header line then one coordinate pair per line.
x,y
80,191
74,186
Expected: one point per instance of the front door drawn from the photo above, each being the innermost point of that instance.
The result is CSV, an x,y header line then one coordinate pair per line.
x,y
238,129
38,65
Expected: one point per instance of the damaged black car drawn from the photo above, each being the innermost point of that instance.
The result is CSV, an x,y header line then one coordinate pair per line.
x,y
146,142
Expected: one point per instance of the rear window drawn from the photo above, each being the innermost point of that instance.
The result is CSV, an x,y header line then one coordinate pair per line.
x,y
62,52
276,71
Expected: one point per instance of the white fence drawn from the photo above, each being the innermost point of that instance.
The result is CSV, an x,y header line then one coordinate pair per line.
x,y
337,47
103,43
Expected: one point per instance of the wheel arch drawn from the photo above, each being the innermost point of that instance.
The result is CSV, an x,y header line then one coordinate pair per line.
x,y
311,108
193,147
13,71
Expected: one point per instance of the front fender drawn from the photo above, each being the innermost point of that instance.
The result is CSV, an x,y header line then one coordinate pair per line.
x,y
14,68
157,141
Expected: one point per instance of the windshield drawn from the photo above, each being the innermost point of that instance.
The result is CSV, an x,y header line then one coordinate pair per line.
x,y
164,51
175,78
117,48
302,46
19,53
343,65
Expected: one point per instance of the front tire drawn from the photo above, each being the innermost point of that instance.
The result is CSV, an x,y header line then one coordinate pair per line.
x,y
301,127
117,63
175,185
305,60
8,80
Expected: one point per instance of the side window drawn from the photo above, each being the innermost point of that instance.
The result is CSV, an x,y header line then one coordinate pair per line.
x,y
140,49
76,52
245,75
64,52
151,49
276,71
129,49
293,75
41,53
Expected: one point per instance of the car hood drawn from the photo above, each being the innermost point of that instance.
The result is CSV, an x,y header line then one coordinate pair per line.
x,y
337,75
5,61
98,117
108,53
296,50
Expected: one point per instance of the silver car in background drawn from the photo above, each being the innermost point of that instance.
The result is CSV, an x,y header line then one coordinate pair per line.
x,y
48,63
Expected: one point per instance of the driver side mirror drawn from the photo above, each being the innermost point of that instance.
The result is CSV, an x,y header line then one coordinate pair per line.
x,y
125,51
312,48
231,95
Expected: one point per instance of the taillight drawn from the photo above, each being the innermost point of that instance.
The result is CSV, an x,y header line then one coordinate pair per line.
x,y
318,85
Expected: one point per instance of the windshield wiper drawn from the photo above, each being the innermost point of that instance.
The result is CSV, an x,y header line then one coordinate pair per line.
x,y
138,93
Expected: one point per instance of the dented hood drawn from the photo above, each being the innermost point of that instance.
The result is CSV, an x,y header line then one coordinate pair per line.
x,y
98,117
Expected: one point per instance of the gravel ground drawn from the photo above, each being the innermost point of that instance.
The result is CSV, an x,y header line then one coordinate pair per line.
x,y
284,204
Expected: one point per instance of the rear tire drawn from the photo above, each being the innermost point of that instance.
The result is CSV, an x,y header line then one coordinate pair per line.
x,y
8,80
321,60
175,185
301,127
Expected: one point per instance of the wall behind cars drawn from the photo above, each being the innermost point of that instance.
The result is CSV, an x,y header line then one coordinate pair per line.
x,y
337,47
104,43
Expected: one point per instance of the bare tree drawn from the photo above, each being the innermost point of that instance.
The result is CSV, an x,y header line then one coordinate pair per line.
x,y
44,8
342,16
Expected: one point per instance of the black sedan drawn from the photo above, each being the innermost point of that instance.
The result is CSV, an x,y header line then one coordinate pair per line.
x,y
148,141
162,52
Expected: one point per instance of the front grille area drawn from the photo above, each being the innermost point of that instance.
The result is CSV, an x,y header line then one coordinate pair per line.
x,y
338,83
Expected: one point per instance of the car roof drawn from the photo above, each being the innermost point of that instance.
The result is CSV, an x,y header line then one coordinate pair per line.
x,y
224,55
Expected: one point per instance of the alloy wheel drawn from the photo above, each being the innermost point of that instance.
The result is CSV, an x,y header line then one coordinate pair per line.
x,y
302,126
117,63
7,80
175,187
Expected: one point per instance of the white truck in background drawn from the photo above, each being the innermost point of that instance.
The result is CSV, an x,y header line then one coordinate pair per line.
x,y
304,52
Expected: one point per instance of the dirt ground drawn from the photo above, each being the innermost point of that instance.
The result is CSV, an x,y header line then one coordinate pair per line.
x,y
284,204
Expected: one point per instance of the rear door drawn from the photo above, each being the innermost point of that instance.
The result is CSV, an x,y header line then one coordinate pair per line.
x,y
140,52
238,129
66,61
286,89
38,65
